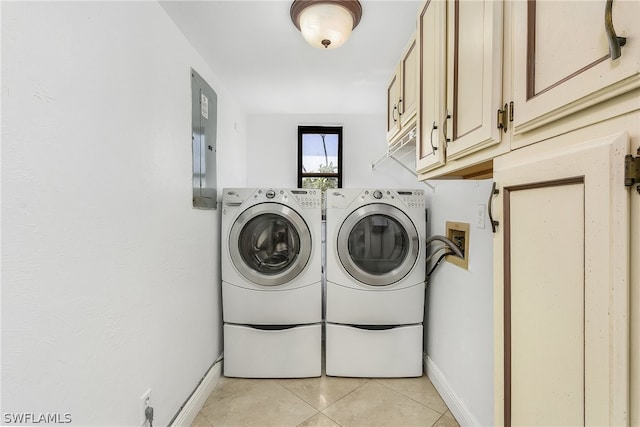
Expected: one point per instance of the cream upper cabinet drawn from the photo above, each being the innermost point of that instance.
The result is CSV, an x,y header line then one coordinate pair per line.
x,y
402,94
460,45
562,60
430,38
409,90
393,96
474,75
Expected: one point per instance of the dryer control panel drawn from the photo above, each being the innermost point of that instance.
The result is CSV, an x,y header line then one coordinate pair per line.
x,y
410,198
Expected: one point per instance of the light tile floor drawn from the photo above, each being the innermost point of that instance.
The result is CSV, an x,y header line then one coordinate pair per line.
x,y
325,402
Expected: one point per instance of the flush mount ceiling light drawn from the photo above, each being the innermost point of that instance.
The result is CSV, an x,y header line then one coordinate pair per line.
x,y
326,23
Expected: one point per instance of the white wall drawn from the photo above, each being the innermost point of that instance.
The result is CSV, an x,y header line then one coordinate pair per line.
x,y
110,283
273,141
459,310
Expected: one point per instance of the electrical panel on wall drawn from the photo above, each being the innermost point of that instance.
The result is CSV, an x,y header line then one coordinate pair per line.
x,y
204,117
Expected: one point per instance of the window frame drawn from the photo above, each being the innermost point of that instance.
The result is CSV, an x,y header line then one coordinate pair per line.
x,y
332,130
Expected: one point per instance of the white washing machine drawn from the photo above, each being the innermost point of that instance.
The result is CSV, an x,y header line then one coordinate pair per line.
x,y
271,282
375,288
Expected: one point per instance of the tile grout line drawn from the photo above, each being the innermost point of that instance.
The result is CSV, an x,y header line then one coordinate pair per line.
x,y
367,381
411,398
300,397
219,387
205,418
335,421
317,412
275,380
320,410
436,421
321,413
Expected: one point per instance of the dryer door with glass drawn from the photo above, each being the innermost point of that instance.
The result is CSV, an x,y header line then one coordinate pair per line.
x,y
378,244
270,244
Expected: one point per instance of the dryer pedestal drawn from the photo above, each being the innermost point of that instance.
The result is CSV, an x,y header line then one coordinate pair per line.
x,y
294,352
375,282
353,351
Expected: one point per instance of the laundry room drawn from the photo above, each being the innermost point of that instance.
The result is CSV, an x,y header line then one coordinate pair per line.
x,y
122,302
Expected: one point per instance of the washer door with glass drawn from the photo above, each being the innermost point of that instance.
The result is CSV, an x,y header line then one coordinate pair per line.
x,y
378,244
270,244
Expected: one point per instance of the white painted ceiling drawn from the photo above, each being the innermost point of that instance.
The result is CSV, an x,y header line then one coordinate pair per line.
x,y
262,60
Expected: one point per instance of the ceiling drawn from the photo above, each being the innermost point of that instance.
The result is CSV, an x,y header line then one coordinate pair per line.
x,y
261,59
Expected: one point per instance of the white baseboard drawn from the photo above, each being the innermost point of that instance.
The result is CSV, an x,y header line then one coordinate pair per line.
x,y
455,404
191,409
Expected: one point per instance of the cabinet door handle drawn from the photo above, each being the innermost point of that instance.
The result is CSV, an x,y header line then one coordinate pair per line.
x,y
615,42
433,149
393,113
444,127
400,108
494,223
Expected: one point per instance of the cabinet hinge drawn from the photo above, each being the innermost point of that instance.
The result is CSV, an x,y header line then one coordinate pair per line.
x,y
632,171
503,118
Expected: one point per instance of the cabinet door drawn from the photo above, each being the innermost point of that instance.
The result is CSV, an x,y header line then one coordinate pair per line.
x,y
474,75
430,147
562,291
409,89
393,114
561,58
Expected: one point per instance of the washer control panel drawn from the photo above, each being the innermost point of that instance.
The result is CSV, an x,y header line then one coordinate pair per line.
x,y
306,198
311,198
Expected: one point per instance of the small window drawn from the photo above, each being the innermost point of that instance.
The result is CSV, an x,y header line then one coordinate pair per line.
x,y
319,157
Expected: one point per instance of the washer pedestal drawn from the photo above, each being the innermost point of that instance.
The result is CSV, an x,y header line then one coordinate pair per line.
x,y
294,352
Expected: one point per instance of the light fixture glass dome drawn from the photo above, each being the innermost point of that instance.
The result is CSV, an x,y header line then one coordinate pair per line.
x,y
326,25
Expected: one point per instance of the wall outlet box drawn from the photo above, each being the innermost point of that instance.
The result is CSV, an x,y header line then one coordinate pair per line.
x,y
458,233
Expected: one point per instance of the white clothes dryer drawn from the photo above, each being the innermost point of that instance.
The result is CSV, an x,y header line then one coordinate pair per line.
x,y
271,282
375,282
